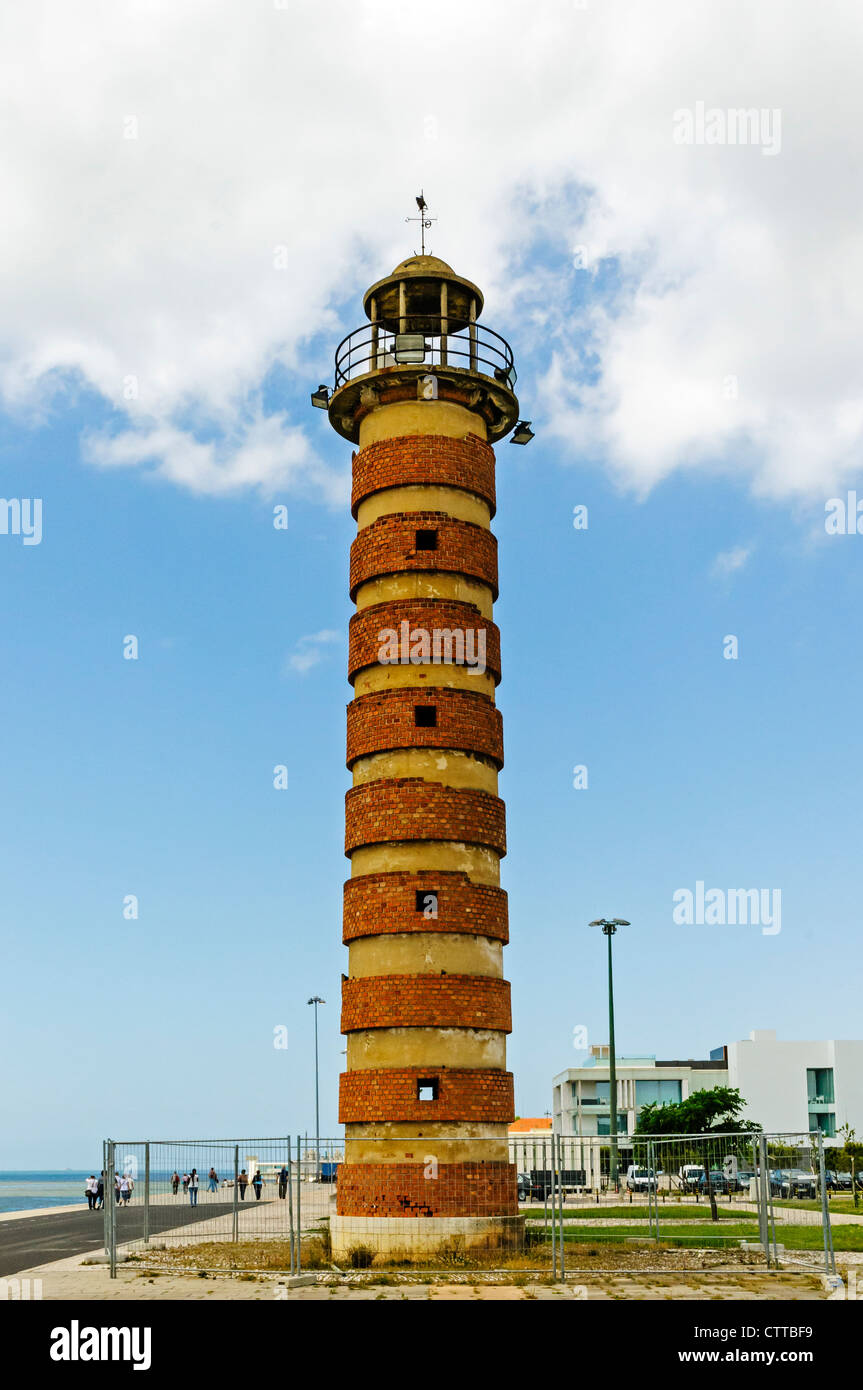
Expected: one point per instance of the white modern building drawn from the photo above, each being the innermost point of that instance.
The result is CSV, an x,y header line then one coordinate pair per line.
x,y
581,1104
799,1085
793,1087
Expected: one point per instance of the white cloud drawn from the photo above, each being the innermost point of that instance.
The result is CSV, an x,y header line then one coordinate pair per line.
x,y
310,128
728,562
266,452
311,650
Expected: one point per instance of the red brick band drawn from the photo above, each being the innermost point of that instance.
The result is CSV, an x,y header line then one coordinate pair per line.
x,y
387,719
424,458
390,546
460,1094
404,632
377,904
395,809
426,1001
407,1189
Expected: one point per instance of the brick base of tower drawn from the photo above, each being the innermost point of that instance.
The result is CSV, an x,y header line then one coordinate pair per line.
x,y
393,1239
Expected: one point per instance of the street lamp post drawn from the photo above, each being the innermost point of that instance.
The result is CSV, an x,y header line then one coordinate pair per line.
x,y
609,927
316,1000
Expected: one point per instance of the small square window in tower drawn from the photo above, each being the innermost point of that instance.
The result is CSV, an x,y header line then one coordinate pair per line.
x,y
426,540
425,716
426,901
427,1088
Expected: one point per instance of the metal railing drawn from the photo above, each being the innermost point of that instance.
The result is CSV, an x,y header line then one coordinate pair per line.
x,y
474,348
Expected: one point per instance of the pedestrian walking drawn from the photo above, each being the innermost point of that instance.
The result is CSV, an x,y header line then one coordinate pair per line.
x,y
175,1182
257,1184
213,1181
117,1188
185,1183
90,1191
100,1191
193,1188
126,1186
242,1184
283,1181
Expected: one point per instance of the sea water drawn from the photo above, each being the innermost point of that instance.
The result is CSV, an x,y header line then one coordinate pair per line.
x,y
31,1190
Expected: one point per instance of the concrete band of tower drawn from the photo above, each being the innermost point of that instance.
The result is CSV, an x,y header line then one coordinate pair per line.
x,y
424,390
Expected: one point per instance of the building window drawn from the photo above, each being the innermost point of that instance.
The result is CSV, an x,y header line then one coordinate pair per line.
x,y
604,1126
425,716
819,1086
426,540
427,1089
657,1092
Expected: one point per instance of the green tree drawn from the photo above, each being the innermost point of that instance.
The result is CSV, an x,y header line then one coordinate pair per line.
x,y
704,1112
851,1154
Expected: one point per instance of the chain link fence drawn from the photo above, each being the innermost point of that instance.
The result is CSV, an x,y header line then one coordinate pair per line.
x,y
532,1202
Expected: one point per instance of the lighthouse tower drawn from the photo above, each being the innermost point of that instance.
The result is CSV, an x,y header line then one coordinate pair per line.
x,y
424,390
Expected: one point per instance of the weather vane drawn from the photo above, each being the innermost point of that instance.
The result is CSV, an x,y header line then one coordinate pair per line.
x,y
424,220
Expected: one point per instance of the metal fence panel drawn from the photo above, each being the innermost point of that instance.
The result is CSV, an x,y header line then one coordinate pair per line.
x,y
190,1192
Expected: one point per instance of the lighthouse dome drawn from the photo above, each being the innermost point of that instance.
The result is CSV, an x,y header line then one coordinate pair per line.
x,y
419,293
424,265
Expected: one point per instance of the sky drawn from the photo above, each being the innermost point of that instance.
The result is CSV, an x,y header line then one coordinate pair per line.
x,y
196,197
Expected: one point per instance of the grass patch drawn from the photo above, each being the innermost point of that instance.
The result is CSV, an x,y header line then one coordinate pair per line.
x,y
844,1206
624,1213
811,1237
710,1234
706,1235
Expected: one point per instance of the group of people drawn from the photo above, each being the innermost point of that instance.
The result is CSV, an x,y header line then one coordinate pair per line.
x,y
191,1184
243,1182
124,1186
94,1190
282,1178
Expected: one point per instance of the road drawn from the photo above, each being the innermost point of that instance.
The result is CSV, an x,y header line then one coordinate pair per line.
x,y
39,1239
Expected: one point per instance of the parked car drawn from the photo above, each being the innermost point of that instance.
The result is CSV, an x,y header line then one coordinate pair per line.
x,y
690,1177
837,1182
718,1181
793,1182
524,1187
737,1176
640,1179
540,1182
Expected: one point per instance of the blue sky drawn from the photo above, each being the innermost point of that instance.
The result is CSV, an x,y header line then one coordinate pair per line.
x,y
187,238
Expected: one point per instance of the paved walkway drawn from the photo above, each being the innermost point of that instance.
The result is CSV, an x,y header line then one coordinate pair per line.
x,y
67,1281
35,1238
